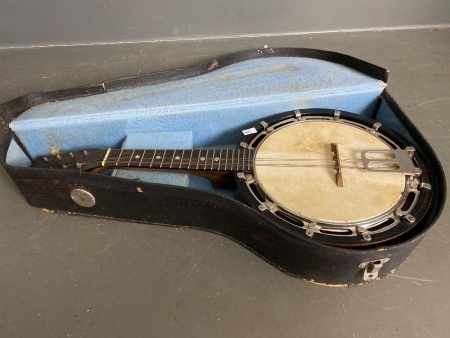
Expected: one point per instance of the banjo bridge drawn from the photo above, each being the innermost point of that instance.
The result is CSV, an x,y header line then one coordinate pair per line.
x,y
392,160
337,168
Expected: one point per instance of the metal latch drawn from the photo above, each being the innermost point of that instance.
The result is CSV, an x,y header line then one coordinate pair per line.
x,y
371,268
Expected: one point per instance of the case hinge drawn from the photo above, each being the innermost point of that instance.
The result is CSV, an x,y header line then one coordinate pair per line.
x,y
372,268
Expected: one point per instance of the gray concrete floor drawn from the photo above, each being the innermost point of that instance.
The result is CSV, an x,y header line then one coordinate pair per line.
x,y
65,276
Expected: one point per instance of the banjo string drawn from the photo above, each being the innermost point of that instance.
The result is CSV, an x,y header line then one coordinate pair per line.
x,y
345,161
277,163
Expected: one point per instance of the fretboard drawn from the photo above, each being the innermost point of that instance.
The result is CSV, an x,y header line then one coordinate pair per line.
x,y
192,159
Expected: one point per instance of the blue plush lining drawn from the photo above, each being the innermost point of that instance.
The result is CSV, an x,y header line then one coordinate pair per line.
x,y
16,157
214,106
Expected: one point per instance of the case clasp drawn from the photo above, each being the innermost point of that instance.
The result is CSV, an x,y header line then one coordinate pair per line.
x,y
372,268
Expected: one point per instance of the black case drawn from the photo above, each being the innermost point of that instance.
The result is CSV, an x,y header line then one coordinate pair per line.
x,y
293,253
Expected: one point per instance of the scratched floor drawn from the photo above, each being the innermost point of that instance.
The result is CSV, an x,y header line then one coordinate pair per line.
x,y
63,276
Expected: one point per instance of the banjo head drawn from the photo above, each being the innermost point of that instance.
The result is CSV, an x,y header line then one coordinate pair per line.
x,y
309,174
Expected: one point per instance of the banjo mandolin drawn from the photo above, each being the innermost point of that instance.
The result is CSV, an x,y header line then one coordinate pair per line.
x,y
337,177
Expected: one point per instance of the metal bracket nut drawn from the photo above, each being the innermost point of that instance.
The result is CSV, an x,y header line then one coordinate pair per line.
x,y
311,229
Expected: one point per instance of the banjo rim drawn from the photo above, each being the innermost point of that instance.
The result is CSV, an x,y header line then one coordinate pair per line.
x,y
384,227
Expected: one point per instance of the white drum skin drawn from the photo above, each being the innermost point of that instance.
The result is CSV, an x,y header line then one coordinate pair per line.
x,y
294,167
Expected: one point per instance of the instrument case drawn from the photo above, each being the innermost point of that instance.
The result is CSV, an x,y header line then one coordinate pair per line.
x,y
210,104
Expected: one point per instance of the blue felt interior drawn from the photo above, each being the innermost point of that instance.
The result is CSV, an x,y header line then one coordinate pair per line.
x,y
386,117
16,157
214,107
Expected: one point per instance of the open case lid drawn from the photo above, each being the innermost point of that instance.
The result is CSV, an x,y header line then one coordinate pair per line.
x,y
214,101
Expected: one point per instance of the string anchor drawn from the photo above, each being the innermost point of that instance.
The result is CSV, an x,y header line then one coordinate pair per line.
x,y
392,160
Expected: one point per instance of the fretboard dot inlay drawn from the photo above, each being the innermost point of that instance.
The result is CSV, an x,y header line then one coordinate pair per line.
x,y
137,157
158,157
177,157
202,158
216,159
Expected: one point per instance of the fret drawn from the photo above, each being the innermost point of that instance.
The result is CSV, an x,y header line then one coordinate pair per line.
x,y
131,157
241,159
181,162
153,158
110,159
162,159
105,158
124,158
203,158
170,157
226,160
220,159
118,158
142,158
237,164
245,164
122,154
232,159
198,158
216,161
206,158
213,159
171,161
190,160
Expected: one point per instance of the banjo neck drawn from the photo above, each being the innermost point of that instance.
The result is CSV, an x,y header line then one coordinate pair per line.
x,y
220,160
187,159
